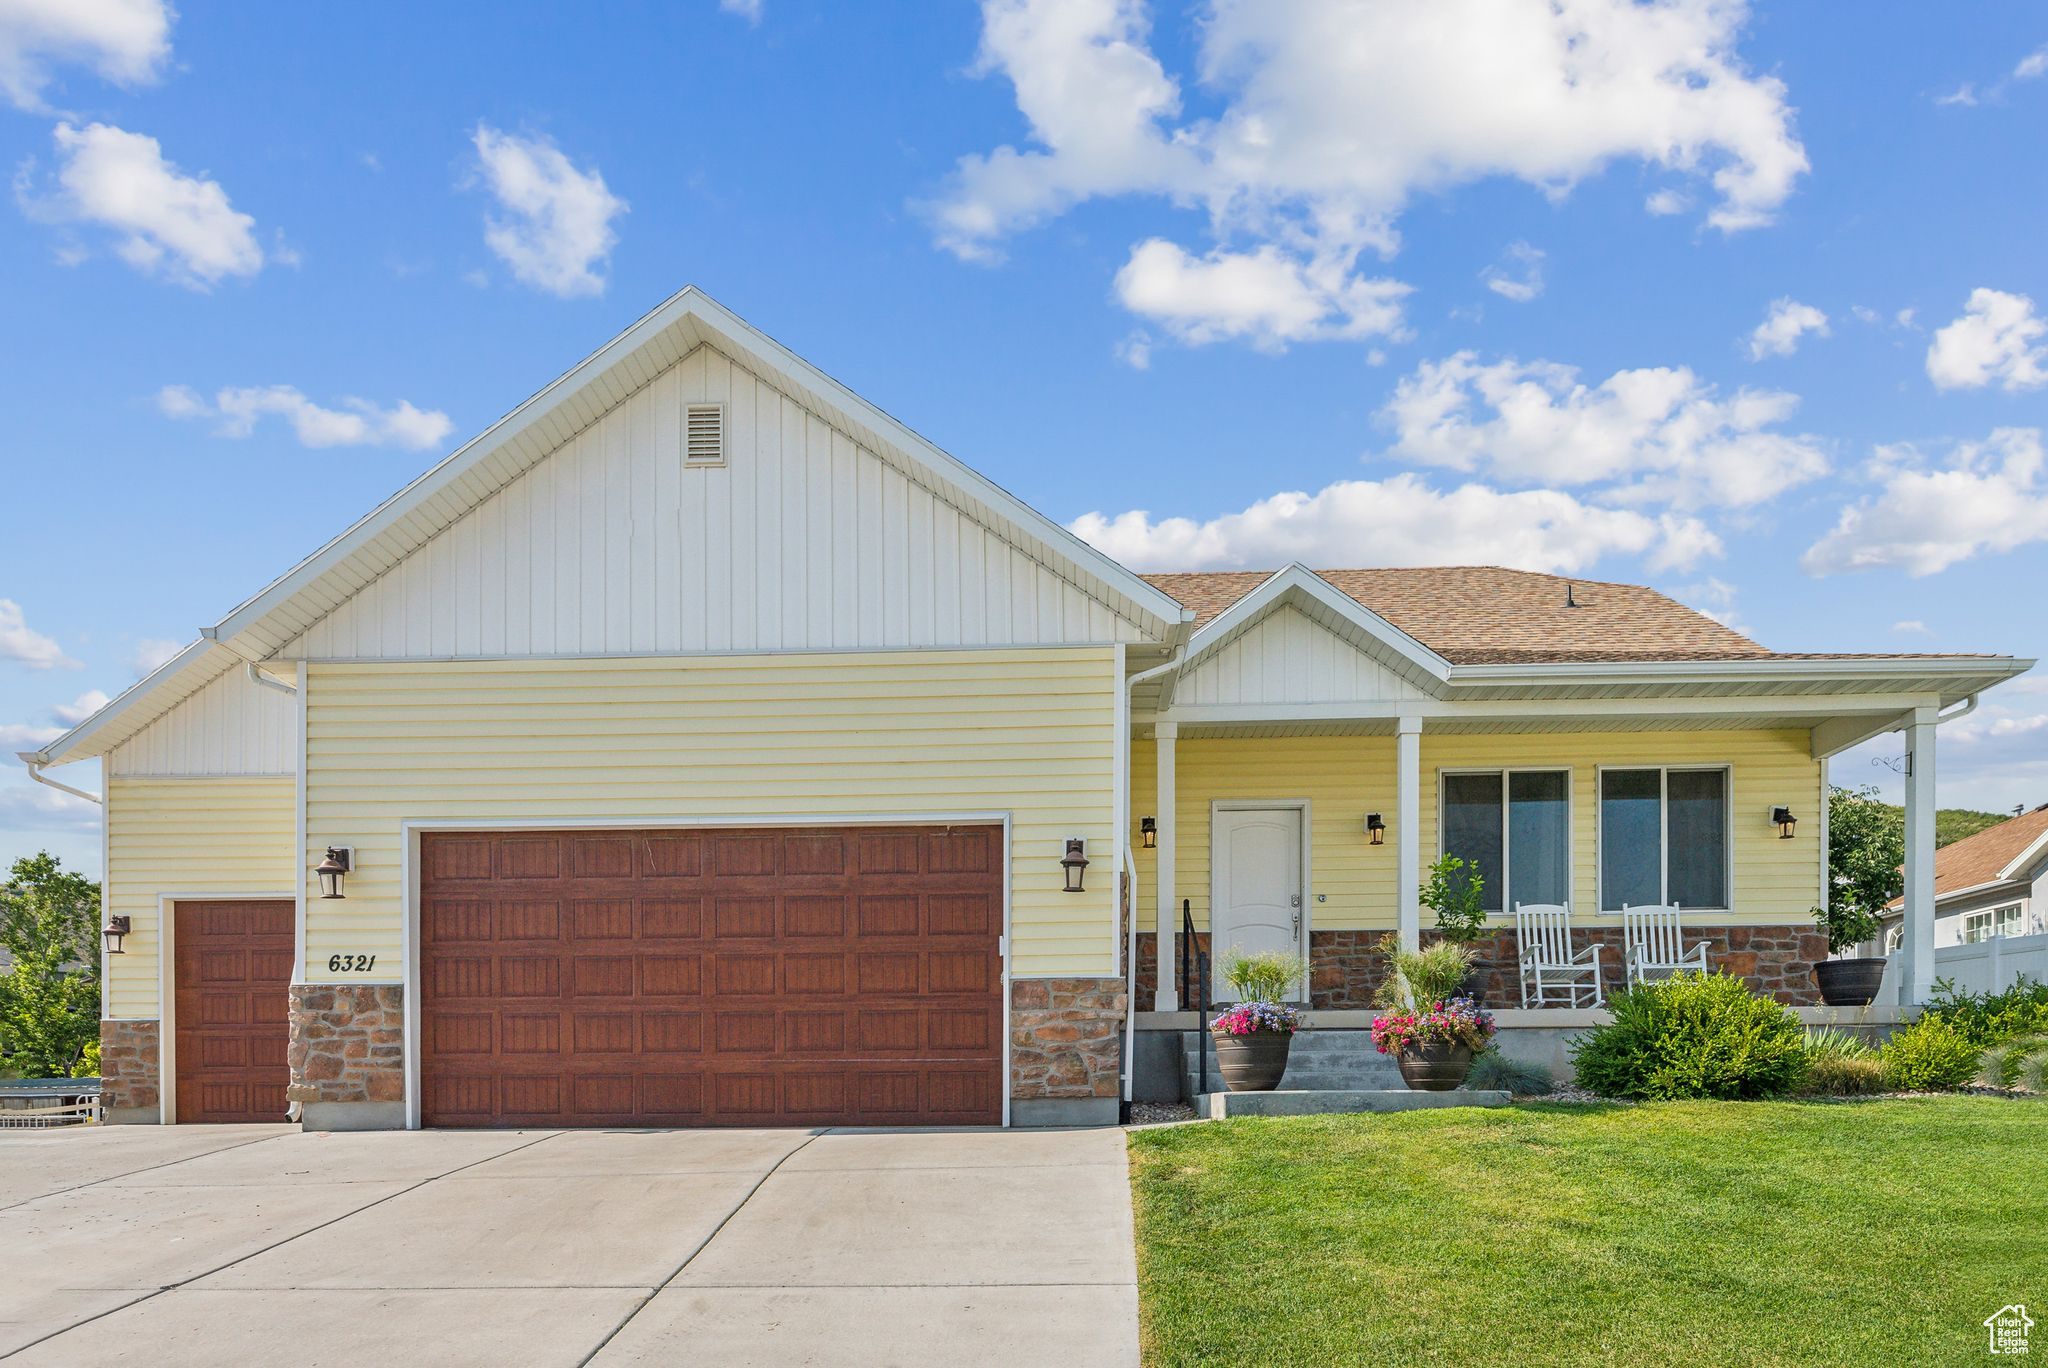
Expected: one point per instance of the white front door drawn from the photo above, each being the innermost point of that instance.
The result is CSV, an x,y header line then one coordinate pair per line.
x,y
1258,892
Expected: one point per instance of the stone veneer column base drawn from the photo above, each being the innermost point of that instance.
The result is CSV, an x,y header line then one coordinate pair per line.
x,y
131,1069
347,1055
1066,1051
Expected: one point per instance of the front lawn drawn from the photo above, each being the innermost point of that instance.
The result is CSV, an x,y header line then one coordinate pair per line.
x,y
1677,1232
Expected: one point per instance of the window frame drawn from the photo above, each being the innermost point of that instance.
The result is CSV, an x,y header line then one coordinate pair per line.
x,y
1664,773
1570,774
1993,920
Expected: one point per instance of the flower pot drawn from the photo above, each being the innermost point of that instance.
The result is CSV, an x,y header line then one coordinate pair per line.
x,y
1848,982
1438,1066
1252,1063
1473,985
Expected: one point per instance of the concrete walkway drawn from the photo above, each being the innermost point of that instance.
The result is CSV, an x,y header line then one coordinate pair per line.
x,y
257,1245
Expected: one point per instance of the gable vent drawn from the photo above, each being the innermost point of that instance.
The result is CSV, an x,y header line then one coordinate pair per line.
x,y
704,435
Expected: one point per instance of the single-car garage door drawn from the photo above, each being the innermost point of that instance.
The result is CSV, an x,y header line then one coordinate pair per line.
x,y
231,1022
711,977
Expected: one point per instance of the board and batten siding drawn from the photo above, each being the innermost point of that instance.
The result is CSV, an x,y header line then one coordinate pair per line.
x,y
232,726
1286,657
1344,777
802,540
625,740
225,835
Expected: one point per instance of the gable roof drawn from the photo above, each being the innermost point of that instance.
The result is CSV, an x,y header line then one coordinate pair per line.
x,y
1337,612
277,614
1993,855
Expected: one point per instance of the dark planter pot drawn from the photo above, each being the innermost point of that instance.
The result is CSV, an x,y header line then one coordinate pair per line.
x,y
1473,985
1848,982
1252,1063
1436,1067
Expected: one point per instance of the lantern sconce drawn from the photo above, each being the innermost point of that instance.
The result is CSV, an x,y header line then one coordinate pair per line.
x,y
1148,832
334,870
1375,828
1073,862
1784,821
117,928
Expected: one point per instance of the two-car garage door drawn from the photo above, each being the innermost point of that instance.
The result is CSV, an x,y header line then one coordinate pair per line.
x,y
774,976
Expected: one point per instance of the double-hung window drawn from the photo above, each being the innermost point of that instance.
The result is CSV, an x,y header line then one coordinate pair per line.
x,y
1515,827
1663,837
1997,921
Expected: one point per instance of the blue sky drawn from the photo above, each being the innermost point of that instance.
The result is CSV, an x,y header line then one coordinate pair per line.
x,y
1739,303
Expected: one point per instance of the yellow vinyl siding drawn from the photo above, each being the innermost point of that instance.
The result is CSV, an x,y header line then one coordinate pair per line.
x,y
188,836
1345,777
1028,732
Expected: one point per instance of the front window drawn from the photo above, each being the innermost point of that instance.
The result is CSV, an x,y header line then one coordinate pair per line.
x,y
1996,921
1663,838
1515,827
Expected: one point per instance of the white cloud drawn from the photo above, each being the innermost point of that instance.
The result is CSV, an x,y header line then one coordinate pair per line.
x,y
358,422
80,708
1998,337
123,41
1521,279
1784,324
151,652
38,807
24,645
1713,597
554,225
24,736
1331,115
1987,497
1913,625
1266,297
1401,520
1657,434
164,221
1664,203
749,10
2033,66
1964,95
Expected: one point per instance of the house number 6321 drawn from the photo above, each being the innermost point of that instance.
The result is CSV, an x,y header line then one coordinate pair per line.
x,y
350,964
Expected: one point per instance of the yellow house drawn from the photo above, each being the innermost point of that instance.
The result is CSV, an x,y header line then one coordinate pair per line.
x,y
699,745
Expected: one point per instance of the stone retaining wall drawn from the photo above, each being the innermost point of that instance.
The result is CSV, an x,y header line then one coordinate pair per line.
x,y
131,1081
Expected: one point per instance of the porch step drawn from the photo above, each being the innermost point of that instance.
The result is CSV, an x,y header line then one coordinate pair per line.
x,y
1322,1102
1330,1060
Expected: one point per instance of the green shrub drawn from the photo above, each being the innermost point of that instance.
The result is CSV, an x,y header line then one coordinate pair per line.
x,y
1492,1069
1830,1042
1843,1075
1931,1055
1263,977
1987,1018
2017,1063
1693,1035
1420,977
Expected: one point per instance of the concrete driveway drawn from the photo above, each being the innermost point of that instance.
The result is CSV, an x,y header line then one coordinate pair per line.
x,y
254,1244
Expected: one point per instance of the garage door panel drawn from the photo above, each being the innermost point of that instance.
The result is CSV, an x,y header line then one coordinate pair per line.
x,y
231,967
795,976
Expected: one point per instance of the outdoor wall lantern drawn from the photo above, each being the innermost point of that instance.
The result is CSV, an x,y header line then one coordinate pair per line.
x,y
333,870
1784,821
1148,832
117,927
1375,829
1073,862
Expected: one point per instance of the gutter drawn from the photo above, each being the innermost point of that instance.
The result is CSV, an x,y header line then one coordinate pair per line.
x,y
1172,663
256,676
36,765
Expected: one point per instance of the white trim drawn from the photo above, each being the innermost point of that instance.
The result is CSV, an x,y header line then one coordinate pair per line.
x,y
411,830
1404,653
1679,707
2023,860
299,855
1506,912
1302,806
1119,837
167,990
1728,866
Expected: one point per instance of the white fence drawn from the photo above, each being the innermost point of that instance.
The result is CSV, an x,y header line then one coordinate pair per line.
x,y
1991,966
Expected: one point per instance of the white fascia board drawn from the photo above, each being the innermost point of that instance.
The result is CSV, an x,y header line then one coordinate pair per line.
x,y
159,688
2025,859
719,325
1932,672
1297,582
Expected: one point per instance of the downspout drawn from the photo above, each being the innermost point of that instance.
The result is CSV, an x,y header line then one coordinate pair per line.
x,y
36,766
1969,706
1173,662
257,676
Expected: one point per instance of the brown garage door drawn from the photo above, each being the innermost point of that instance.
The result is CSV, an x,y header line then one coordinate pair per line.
x,y
233,968
799,976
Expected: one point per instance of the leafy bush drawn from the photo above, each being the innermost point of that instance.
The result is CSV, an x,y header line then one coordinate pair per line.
x,y
1492,1069
1843,1076
1693,1035
1931,1055
1987,1018
1263,977
2017,1063
1830,1042
1456,891
1431,974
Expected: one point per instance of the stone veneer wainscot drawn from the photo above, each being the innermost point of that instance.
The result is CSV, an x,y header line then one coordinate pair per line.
x,y
347,1054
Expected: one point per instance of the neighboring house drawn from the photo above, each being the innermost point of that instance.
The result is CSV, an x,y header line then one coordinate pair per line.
x,y
1994,883
705,747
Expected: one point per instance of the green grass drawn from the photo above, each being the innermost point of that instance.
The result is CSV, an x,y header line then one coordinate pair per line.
x,y
1874,1232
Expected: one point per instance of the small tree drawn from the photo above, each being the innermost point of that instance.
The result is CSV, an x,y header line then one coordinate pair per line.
x,y
50,999
1866,849
1456,891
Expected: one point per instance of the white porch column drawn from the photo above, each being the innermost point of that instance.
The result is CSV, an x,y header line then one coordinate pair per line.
x,y
1167,996
1408,829
1916,981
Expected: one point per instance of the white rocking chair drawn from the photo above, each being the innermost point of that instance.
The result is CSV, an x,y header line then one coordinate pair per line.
x,y
1543,935
1653,944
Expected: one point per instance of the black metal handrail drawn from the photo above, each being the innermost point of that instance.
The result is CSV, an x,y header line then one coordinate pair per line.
x,y
1198,989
